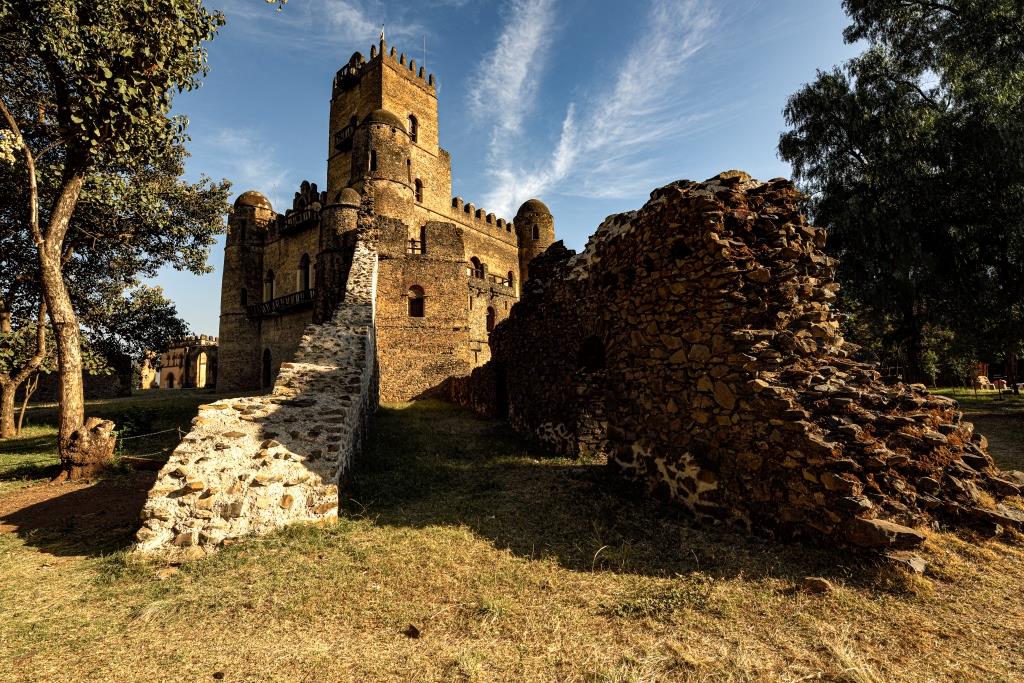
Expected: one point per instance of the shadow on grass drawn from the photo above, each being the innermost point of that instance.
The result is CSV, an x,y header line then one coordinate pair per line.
x,y
431,463
93,520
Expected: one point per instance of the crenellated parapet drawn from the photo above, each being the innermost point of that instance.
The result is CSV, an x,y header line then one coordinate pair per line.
x,y
468,214
350,73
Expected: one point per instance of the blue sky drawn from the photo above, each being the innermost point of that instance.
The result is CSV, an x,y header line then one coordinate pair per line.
x,y
587,104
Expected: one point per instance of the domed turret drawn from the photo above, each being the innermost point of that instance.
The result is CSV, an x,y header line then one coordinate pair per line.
x,y
348,197
533,206
381,154
535,228
384,116
253,198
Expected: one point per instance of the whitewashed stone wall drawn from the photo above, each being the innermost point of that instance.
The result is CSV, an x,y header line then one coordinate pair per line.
x,y
253,464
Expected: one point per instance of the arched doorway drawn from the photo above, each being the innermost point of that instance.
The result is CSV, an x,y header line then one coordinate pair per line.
x,y
304,273
170,380
417,301
490,318
201,370
268,286
266,368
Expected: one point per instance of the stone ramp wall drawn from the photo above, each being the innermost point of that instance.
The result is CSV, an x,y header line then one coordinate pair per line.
x,y
695,343
253,464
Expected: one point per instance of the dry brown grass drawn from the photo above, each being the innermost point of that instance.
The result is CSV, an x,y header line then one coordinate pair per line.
x,y
514,567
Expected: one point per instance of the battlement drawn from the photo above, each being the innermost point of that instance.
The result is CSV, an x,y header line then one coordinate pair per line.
x,y
395,56
350,74
469,213
194,340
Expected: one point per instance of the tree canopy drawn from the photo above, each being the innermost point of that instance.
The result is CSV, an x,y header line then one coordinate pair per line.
x,y
86,96
912,154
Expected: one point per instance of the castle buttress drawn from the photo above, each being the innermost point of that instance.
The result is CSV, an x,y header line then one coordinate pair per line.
x,y
448,271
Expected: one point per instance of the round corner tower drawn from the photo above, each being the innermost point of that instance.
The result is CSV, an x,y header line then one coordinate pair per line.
x,y
535,230
241,286
339,220
381,156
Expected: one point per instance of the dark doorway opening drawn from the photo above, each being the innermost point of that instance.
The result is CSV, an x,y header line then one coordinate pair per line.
x,y
266,368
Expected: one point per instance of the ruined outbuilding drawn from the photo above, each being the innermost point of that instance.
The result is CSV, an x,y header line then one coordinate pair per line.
x,y
694,344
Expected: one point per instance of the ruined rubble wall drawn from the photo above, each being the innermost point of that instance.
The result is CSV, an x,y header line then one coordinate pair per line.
x,y
253,464
694,343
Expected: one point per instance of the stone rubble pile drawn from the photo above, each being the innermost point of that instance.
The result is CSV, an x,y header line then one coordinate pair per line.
x,y
253,464
694,342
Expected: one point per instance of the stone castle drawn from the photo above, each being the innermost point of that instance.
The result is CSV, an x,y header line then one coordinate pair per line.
x,y
694,345
188,363
449,271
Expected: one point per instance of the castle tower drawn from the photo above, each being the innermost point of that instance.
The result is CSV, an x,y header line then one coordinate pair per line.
x,y
389,106
241,286
338,222
381,164
535,228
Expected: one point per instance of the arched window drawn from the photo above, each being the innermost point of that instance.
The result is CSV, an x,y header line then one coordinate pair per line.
x,y
373,160
419,190
266,368
417,302
244,297
476,269
304,273
490,318
241,231
511,281
201,370
536,232
414,128
268,286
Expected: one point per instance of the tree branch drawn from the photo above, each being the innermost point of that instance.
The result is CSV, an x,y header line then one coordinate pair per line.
x,y
33,190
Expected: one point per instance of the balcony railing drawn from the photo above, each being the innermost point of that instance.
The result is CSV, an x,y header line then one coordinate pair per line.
x,y
296,220
343,138
499,280
282,304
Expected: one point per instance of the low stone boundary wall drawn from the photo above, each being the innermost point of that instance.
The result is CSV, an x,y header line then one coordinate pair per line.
x,y
254,464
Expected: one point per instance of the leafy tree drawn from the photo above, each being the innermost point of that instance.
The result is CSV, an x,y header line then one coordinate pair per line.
x,y
143,320
913,156
24,356
88,86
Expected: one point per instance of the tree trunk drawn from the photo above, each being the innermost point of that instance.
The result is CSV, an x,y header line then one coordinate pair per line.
x,y
67,336
1011,369
89,451
30,388
7,391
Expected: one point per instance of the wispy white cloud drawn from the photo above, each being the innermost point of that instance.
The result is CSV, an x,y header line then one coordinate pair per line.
x,y
325,23
250,163
504,86
608,149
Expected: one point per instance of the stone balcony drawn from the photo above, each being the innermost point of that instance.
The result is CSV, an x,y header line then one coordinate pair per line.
x,y
282,304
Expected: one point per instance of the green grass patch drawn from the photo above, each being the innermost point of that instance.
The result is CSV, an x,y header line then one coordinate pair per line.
x,y
147,426
1000,417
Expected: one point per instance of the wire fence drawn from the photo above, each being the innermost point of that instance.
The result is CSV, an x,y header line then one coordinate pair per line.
x,y
120,450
